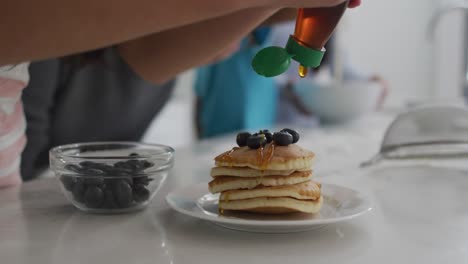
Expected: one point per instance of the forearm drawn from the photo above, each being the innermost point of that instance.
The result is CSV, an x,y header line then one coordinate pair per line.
x,y
284,15
164,55
32,30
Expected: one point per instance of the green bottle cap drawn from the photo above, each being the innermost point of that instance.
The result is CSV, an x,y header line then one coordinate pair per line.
x,y
306,56
271,61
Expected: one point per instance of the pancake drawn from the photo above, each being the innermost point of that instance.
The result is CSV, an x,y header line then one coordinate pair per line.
x,y
271,157
249,172
308,190
275,205
224,183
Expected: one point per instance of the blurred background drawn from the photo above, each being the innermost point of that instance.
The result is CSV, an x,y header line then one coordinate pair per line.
x,y
418,46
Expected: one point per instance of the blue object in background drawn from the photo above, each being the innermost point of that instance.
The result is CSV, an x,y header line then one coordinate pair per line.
x,y
233,97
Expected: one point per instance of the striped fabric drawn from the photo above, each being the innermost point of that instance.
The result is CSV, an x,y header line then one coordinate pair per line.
x,y
12,122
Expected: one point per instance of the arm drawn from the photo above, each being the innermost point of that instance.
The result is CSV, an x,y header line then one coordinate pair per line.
x,y
49,28
160,57
32,30
284,15
385,89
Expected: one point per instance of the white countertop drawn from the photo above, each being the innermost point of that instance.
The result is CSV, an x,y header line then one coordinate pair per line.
x,y
420,215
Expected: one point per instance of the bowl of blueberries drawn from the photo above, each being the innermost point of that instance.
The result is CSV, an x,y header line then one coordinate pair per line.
x,y
111,177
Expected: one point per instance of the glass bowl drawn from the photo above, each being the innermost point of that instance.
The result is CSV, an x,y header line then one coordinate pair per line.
x,y
111,177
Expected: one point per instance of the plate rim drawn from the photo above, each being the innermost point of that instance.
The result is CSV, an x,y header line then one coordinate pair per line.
x,y
198,214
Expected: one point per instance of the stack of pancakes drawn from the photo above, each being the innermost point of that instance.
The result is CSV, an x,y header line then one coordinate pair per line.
x,y
271,179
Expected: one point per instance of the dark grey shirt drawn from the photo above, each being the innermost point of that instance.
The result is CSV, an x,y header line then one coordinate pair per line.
x,y
103,100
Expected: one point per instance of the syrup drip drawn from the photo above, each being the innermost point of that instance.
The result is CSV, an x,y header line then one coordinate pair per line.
x,y
227,156
269,154
302,71
225,199
264,155
260,156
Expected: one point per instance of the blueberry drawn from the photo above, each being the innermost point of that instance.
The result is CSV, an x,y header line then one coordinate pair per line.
x,y
293,133
128,180
114,181
123,193
268,135
107,169
135,165
242,138
123,176
93,197
144,180
93,180
120,165
140,193
109,199
119,175
87,164
130,165
109,182
119,172
78,191
94,165
146,164
92,176
73,168
282,138
92,172
255,142
68,181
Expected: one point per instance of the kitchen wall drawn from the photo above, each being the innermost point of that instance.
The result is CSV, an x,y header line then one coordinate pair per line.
x,y
390,38
385,37
420,59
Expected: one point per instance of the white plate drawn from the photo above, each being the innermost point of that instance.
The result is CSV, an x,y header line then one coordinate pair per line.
x,y
340,204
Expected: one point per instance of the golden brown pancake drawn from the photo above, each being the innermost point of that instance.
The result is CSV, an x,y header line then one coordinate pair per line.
x,y
271,157
224,183
274,205
308,190
248,172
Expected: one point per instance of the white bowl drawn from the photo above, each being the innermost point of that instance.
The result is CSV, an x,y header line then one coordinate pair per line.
x,y
334,103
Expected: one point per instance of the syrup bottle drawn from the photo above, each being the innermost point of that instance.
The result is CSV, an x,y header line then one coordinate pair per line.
x,y
314,26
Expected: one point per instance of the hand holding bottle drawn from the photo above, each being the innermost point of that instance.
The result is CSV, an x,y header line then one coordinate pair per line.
x,y
314,26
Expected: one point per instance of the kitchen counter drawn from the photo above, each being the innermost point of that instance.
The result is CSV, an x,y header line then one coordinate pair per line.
x,y
419,216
